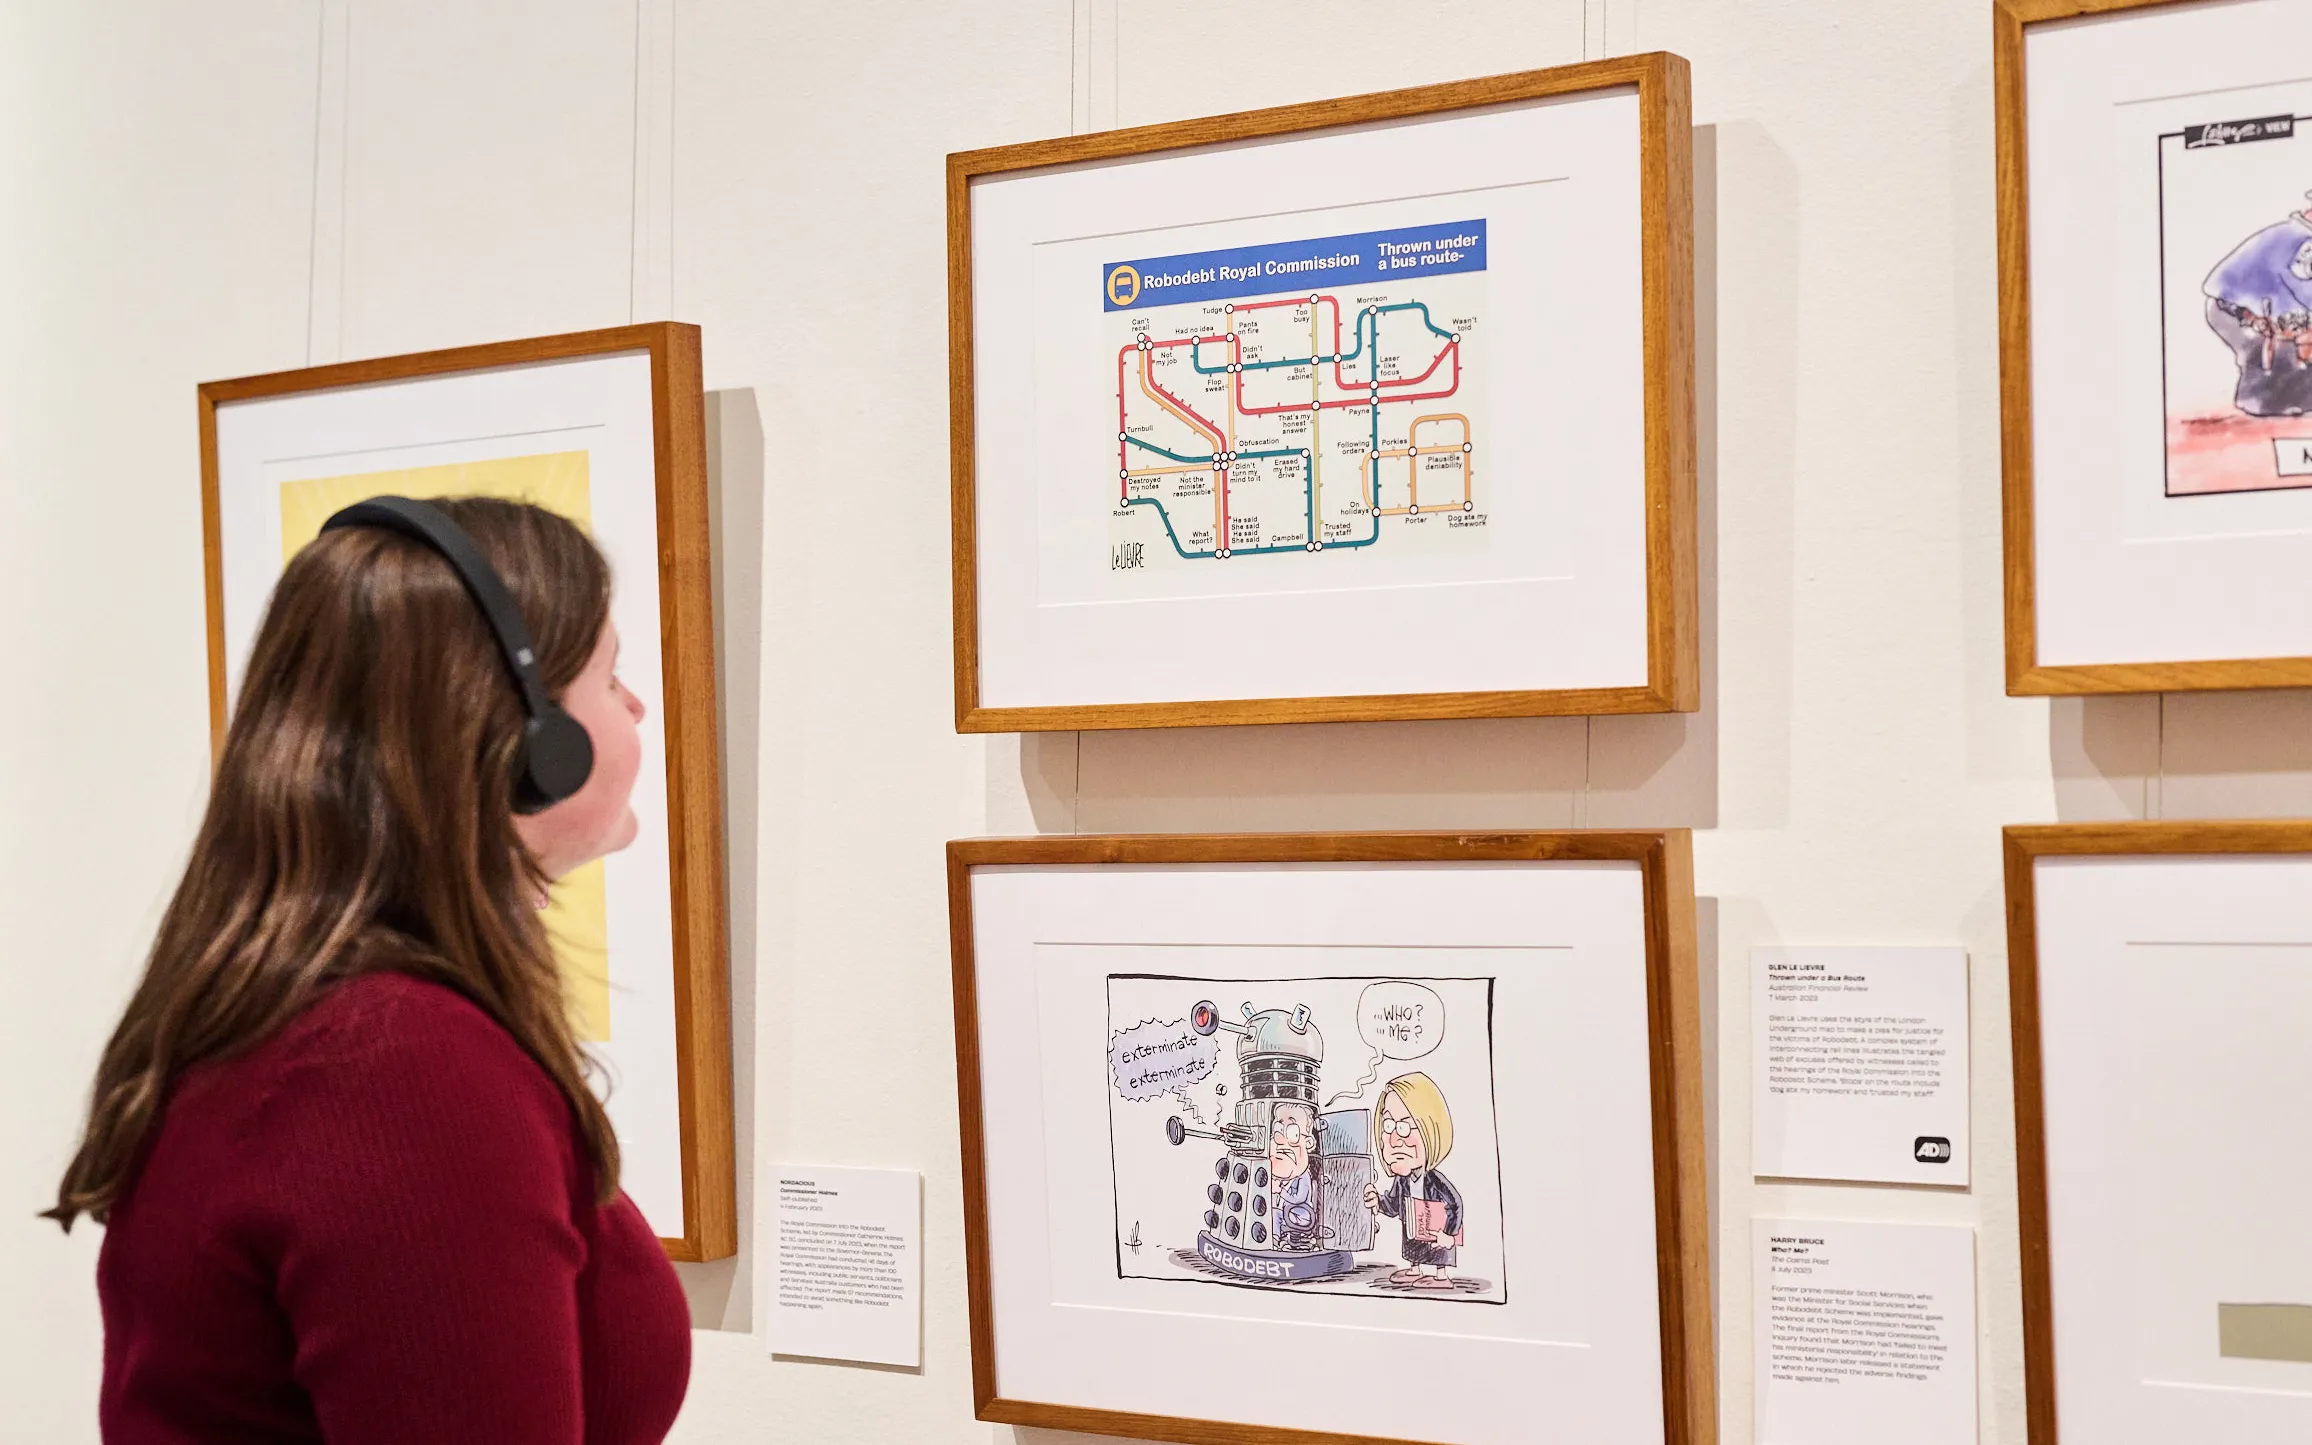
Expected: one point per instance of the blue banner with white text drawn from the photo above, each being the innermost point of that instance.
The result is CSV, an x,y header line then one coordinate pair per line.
x,y
1366,258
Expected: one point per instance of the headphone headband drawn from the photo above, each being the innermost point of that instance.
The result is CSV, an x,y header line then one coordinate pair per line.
x,y
557,754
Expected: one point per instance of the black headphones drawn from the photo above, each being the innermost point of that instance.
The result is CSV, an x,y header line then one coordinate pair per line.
x,y
556,753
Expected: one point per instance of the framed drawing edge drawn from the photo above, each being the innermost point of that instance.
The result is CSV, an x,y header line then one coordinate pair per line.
x,y
2026,676
2024,845
1674,1041
1666,240
693,764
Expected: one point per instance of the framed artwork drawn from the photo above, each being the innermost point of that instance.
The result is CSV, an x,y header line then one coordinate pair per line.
x,y
607,428
2155,330
1378,407
1306,1139
2160,982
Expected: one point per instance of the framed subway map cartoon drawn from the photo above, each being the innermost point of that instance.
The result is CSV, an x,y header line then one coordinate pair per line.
x,y
1369,408
2155,255
1292,1122
606,428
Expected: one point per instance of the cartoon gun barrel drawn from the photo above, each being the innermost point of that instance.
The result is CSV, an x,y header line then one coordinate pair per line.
x,y
1235,1136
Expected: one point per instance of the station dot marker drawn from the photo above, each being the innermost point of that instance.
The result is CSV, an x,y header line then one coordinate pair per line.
x,y
1232,456
1316,406
1232,366
1468,506
1123,436
1221,553
1465,446
1372,311
1304,453
1124,473
1313,546
1313,298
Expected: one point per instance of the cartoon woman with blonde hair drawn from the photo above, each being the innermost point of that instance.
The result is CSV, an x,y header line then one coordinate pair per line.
x,y
1414,1131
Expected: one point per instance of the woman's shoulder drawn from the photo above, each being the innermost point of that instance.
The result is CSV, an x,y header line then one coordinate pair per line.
x,y
386,1094
385,1021
391,1070
392,1009
384,1041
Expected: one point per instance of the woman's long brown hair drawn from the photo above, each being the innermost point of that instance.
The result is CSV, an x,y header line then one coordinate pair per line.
x,y
361,818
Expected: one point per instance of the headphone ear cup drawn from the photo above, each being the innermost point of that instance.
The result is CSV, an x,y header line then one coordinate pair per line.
x,y
557,757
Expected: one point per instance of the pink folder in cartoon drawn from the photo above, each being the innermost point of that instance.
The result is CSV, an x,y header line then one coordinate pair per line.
x,y
1429,1219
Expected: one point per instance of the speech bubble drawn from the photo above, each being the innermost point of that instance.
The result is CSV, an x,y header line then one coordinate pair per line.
x,y
1152,1059
1400,1020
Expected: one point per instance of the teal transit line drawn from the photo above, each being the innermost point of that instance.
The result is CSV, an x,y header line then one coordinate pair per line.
x,y
1166,518
1308,483
1308,491
1426,319
1195,353
1152,447
1241,456
1350,355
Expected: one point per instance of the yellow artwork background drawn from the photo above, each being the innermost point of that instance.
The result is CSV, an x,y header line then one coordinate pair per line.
x,y
577,907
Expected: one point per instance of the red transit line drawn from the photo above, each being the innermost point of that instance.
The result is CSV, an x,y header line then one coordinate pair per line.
x,y
1148,375
1450,348
1123,453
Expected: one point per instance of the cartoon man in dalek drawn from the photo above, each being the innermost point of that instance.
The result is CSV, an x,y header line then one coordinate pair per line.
x,y
1286,1201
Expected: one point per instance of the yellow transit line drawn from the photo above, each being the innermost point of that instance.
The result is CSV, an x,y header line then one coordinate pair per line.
x,y
1461,448
1316,431
1219,494
1161,400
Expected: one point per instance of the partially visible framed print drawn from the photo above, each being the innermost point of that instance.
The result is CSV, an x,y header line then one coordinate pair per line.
x,y
1317,1139
2160,979
2155,326
608,429
1378,407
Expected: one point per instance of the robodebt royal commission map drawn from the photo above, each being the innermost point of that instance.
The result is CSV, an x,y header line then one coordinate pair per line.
x,y
1298,398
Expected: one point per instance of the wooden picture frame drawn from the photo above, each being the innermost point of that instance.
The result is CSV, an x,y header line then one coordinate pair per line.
x,y
2024,847
1671,673
683,640
2026,673
1680,1243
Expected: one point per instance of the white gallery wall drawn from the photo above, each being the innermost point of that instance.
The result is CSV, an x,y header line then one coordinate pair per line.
x,y
191,192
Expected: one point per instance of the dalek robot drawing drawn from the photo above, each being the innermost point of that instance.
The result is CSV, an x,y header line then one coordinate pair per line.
x,y
1287,1196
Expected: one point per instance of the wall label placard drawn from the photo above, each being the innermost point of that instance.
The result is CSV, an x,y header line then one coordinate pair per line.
x,y
1859,1064
848,1268
1863,1332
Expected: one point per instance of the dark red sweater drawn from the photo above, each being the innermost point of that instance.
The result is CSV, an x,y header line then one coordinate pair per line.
x,y
378,1228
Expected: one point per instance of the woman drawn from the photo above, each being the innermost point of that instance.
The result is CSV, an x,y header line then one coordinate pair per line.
x,y
355,1186
1416,1133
